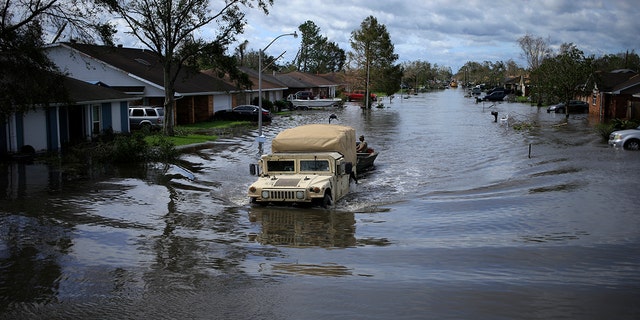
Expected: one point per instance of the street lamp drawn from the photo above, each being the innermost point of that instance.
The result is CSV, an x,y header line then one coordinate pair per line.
x,y
261,137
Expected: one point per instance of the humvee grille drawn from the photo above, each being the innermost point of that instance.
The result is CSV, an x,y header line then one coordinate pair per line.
x,y
282,195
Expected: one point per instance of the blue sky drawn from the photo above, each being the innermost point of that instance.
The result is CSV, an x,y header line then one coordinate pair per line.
x,y
450,33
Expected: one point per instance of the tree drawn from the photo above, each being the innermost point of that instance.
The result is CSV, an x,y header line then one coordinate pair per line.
x,y
496,72
28,77
389,82
475,72
622,60
417,73
317,54
566,74
269,62
443,73
170,29
373,58
241,52
535,50
513,69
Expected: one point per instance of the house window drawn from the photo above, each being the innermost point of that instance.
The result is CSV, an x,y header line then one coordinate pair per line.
x,y
95,119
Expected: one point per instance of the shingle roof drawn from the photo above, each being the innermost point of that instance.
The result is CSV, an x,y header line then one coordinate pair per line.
x,y
337,78
268,81
297,79
631,86
146,65
609,80
83,92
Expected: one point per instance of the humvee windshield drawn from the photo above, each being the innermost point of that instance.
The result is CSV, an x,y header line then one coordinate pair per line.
x,y
314,165
283,165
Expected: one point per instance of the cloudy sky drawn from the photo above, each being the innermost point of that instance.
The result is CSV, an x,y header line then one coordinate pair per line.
x,y
450,33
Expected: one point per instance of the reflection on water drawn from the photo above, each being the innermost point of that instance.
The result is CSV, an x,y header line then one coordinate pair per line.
x,y
303,227
558,236
324,270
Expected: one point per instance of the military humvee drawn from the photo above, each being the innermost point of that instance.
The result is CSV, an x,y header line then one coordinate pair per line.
x,y
310,164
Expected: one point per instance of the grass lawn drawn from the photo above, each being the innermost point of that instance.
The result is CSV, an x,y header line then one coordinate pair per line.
x,y
200,132
182,140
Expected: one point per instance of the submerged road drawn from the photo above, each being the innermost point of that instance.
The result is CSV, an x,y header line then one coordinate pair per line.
x,y
462,217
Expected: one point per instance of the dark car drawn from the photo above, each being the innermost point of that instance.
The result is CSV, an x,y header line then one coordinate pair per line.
x,y
242,112
495,96
575,106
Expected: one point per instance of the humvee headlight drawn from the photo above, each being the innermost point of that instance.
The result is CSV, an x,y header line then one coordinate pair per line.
x,y
300,194
265,194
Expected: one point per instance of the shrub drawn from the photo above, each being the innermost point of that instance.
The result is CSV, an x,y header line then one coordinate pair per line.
x,y
266,103
620,124
163,150
282,104
129,148
604,130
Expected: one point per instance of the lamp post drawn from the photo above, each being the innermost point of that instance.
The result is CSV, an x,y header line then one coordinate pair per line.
x,y
261,137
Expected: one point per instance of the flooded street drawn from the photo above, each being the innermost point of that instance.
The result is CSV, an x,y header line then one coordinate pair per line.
x,y
462,217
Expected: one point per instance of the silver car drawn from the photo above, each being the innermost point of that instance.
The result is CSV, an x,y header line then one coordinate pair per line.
x,y
628,139
151,117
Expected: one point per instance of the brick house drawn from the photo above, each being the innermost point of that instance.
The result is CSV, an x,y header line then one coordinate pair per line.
x,y
616,95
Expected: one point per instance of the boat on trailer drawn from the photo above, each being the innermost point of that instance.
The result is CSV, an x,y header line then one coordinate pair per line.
x,y
303,104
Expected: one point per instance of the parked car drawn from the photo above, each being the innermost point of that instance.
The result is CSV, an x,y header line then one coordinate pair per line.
x,y
358,95
242,112
628,139
494,89
151,117
575,106
495,96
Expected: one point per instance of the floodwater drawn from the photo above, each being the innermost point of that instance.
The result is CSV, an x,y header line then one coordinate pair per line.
x,y
462,218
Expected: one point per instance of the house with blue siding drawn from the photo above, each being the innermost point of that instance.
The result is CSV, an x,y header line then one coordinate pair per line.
x,y
91,109
139,72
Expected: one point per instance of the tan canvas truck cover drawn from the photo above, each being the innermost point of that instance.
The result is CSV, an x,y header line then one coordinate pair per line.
x,y
318,138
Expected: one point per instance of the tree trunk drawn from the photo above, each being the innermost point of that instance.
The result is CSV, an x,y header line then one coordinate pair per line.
x,y
169,111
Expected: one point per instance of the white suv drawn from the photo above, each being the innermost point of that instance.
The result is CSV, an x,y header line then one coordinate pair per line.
x,y
151,117
628,139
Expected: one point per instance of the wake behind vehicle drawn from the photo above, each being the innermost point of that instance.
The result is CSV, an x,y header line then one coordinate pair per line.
x,y
308,165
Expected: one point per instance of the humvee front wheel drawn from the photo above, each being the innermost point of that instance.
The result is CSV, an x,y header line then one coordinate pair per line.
x,y
326,201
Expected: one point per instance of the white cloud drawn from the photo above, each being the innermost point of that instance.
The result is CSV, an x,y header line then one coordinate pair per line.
x,y
450,33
